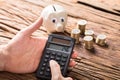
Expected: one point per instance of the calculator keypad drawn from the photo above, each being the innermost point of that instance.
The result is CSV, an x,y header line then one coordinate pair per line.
x,y
61,58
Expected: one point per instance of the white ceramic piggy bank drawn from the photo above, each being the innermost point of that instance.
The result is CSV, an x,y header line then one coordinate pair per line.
x,y
54,18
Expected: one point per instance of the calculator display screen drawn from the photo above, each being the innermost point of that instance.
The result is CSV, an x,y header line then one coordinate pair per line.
x,y
59,47
66,42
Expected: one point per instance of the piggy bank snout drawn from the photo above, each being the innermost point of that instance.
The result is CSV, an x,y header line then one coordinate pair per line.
x,y
59,28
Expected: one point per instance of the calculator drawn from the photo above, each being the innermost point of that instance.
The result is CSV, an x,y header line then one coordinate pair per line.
x,y
58,48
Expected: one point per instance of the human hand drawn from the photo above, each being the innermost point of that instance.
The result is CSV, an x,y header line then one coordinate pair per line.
x,y
55,69
23,52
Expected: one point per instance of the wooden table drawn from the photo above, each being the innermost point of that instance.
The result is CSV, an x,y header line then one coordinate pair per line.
x,y
103,16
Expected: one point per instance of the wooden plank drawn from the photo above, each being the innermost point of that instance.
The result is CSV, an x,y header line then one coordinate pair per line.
x,y
12,76
112,6
102,17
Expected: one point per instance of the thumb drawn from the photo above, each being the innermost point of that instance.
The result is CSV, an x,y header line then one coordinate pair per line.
x,y
68,78
55,70
33,27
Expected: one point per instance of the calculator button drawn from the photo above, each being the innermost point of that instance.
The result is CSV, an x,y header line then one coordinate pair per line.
x,y
43,68
59,54
48,52
44,64
64,59
47,74
46,56
58,58
41,73
62,64
53,53
65,55
48,70
45,60
52,57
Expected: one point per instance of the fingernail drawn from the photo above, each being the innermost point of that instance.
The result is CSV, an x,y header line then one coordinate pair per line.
x,y
74,63
76,55
53,63
70,79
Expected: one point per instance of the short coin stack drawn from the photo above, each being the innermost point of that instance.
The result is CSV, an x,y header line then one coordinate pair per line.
x,y
75,33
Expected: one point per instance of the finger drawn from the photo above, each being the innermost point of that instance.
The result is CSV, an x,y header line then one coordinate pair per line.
x,y
55,70
33,27
68,78
75,54
72,63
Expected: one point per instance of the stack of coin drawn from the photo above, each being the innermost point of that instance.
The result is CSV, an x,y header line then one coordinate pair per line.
x,y
101,40
75,33
88,42
81,25
89,33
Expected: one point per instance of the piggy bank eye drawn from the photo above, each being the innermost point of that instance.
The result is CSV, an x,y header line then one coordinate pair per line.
x,y
62,19
54,20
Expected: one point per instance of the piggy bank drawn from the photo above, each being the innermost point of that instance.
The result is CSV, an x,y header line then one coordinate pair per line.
x,y
54,18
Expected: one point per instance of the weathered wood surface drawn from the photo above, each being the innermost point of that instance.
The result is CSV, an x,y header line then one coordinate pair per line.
x,y
103,16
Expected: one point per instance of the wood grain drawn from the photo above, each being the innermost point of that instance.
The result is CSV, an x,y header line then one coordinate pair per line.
x,y
103,17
